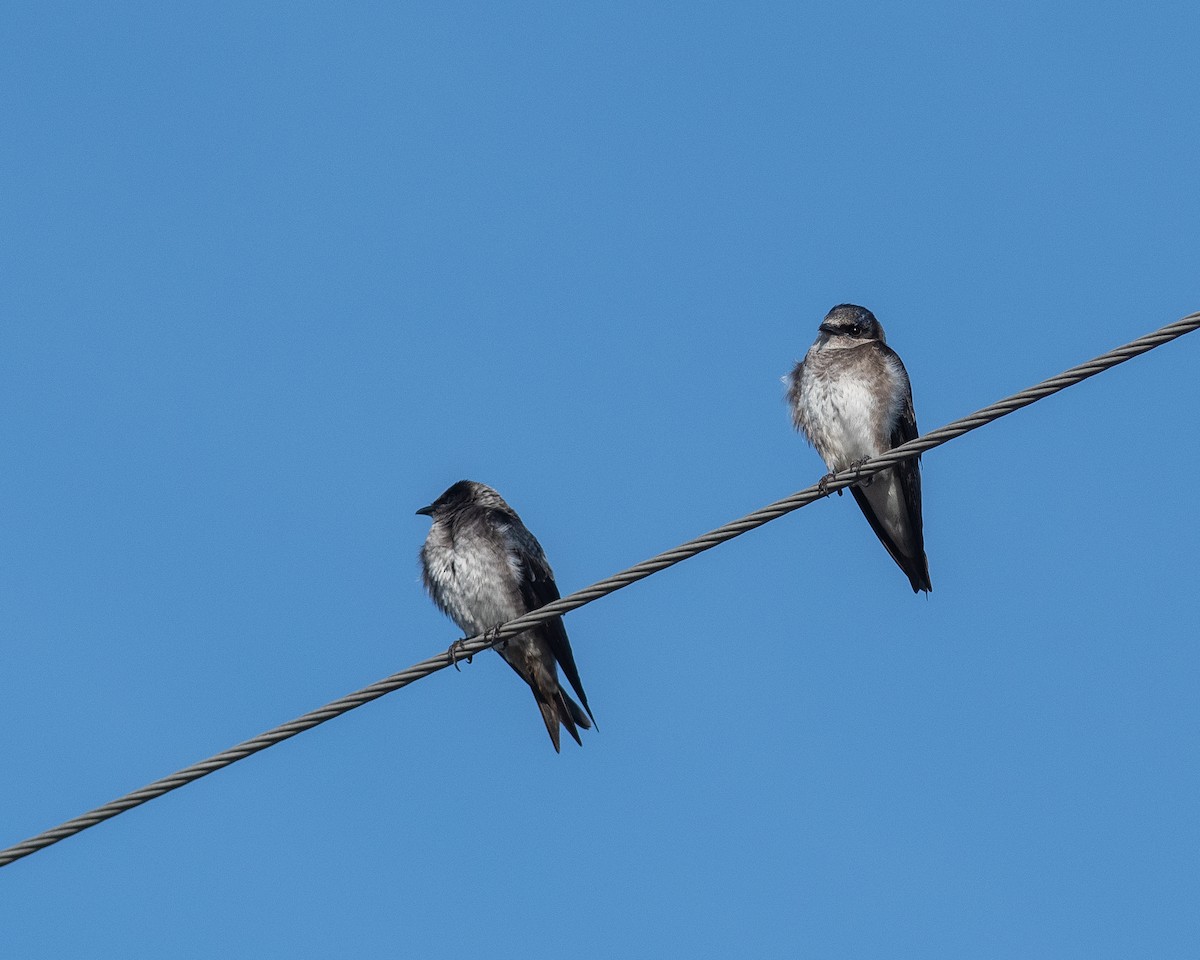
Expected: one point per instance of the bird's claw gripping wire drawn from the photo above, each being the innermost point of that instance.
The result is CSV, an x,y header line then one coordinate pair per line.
x,y
856,466
455,653
491,636
823,484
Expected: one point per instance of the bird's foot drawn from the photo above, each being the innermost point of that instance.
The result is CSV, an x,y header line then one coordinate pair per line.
x,y
856,466
823,485
455,653
491,636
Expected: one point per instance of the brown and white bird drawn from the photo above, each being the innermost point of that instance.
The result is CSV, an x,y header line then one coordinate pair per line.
x,y
482,568
851,398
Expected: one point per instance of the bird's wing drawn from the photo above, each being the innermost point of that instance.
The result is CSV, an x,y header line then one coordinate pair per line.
x,y
538,589
903,430
904,541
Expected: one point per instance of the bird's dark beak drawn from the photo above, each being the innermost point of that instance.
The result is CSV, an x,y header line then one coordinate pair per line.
x,y
426,511
827,328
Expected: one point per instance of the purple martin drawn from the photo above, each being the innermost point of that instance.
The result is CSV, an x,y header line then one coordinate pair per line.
x,y
851,398
482,568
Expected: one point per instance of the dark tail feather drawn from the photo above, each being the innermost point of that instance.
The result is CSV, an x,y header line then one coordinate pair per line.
x,y
583,720
562,710
550,715
915,568
918,576
566,661
567,717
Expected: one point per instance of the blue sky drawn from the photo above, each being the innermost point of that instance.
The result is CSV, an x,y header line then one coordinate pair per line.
x,y
275,275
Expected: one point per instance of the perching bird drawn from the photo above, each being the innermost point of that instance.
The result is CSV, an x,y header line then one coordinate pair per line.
x,y
483,568
851,398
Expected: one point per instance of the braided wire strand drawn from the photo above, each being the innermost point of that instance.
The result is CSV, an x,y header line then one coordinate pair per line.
x,y
602,588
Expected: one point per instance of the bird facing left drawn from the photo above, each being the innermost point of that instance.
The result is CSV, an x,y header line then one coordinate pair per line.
x,y
482,567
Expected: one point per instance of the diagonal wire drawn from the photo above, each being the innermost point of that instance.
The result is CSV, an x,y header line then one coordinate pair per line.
x,y
602,588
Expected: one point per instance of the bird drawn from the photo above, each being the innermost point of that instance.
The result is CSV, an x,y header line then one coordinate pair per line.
x,y
851,398
482,568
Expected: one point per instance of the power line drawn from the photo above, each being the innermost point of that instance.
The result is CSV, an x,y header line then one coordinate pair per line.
x,y
604,587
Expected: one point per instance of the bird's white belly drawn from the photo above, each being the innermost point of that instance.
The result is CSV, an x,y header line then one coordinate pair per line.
x,y
841,419
472,594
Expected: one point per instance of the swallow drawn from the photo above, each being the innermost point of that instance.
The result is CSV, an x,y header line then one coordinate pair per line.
x,y
482,568
851,398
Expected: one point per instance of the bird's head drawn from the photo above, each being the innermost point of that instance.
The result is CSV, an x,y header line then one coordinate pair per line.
x,y
465,493
850,323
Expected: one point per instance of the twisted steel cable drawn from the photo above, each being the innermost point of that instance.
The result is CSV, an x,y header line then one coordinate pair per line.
x,y
469,647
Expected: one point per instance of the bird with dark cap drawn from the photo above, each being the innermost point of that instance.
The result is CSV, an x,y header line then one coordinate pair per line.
x,y
851,398
482,568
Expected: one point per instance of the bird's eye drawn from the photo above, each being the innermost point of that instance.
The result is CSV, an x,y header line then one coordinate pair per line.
x,y
856,329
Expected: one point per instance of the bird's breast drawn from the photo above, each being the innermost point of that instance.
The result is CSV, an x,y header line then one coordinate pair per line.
x,y
842,409
476,587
